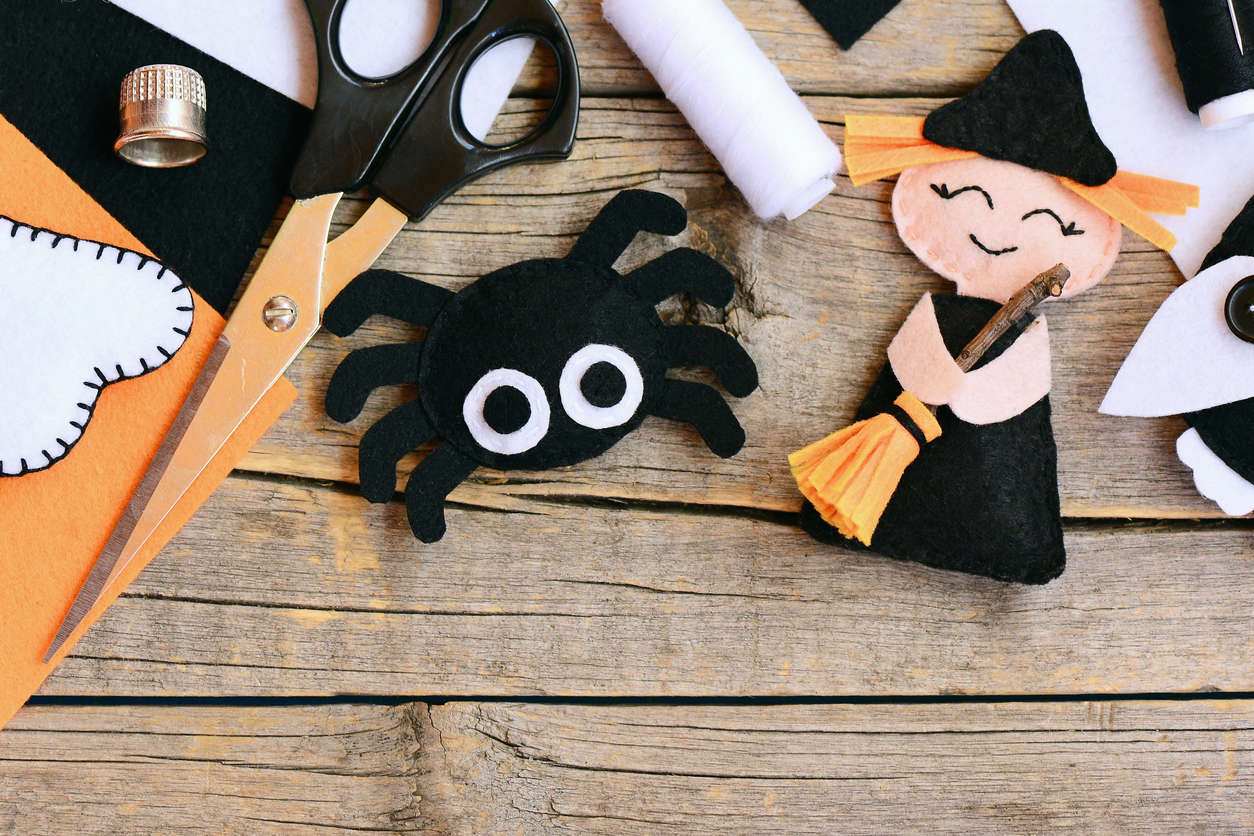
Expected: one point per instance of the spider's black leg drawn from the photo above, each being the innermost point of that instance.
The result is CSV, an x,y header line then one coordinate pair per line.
x,y
705,409
384,292
432,480
367,369
386,443
701,345
679,270
628,213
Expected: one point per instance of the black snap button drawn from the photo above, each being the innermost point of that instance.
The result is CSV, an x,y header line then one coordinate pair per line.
x,y
1239,309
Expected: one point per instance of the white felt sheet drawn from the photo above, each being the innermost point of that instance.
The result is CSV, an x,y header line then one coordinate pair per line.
x,y
1137,102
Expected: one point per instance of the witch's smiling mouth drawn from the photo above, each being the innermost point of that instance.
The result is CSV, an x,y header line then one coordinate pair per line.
x,y
980,244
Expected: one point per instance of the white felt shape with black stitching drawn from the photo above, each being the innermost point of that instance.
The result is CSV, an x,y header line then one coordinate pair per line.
x,y
75,316
1187,359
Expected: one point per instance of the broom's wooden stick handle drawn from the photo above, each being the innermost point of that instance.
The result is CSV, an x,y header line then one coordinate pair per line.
x,y
1047,284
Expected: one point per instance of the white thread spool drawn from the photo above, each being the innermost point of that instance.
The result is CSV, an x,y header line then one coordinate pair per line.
x,y
769,144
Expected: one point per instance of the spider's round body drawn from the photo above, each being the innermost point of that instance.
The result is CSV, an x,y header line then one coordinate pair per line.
x,y
531,320
541,364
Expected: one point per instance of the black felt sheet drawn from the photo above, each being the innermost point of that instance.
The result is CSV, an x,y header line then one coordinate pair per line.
x,y
848,20
61,67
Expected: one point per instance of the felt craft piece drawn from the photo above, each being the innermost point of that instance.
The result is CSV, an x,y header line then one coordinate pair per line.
x,y
541,364
59,76
53,523
1164,373
848,20
80,315
982,201
977,499
1135,99
1210,39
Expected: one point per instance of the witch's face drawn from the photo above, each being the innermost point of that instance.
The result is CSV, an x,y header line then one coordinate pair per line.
x,y
991,226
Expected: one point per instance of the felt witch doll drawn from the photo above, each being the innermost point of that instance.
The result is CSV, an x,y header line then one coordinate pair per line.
x,y
957,468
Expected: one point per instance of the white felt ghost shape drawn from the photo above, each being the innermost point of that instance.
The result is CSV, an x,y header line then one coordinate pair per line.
x,y
75,316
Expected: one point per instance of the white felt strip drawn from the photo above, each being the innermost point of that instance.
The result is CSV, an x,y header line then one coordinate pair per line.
x,y
1214,479
1187,358
1137,102
74,316
272,41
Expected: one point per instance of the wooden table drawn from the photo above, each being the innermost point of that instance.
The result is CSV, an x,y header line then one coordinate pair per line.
x,y
645,642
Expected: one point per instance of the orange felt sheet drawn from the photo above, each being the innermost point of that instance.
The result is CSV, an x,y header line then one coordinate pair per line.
x,y
53,523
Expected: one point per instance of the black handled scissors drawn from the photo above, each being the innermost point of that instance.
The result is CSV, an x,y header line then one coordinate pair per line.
x,y
402,136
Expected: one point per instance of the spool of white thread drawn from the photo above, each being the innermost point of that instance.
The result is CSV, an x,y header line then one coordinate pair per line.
x,y
767,141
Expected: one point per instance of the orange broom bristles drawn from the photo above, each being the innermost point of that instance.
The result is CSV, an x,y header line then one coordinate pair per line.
x,y
851,475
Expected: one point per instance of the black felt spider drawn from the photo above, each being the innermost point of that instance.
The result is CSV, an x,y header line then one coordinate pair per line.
x,y
540,364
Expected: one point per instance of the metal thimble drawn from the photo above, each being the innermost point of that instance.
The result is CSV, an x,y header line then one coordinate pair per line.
x,y
163,115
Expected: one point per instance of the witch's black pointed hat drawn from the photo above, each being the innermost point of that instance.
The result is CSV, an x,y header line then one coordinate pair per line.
x,y
1030,110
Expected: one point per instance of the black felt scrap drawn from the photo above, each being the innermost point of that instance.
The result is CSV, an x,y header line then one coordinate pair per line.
x,y
61,68
1030,110
1238,238
848,20
531,318
1208,54
979,499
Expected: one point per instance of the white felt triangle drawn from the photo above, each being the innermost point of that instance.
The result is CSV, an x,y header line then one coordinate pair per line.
x,y
75,316
1187,359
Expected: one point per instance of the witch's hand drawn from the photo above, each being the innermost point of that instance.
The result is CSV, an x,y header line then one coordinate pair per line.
x,y
920,360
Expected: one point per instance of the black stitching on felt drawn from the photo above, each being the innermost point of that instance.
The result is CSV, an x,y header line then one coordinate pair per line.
x,y
100,375
120,372
181,286
77,425
13,231
61,441
180,331
34,233
161,272
167,355
980,244
945,193
183,309
101,251
142,362
1067,228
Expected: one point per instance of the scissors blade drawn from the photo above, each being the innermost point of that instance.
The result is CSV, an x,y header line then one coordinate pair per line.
x,y
1236,25
257,357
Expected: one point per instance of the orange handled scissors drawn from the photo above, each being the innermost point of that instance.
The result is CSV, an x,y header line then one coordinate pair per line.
x,y
404,137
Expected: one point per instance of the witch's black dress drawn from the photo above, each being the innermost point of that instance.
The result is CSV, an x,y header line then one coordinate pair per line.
x,y
979,499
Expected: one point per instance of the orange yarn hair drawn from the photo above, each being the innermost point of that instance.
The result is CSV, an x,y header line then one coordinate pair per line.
x,y
882,146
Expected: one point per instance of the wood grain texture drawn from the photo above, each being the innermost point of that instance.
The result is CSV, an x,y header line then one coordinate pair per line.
x,y
818,301
1079,767
203,769
282,589
473,767
950,45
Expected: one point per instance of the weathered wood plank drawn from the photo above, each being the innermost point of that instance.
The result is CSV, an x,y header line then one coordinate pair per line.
x,y
1083,767
203,769
1117,767
922,48
819,300
291,589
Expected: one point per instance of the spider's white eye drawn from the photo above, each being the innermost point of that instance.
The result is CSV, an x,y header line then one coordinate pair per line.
x,y
507,443
574,399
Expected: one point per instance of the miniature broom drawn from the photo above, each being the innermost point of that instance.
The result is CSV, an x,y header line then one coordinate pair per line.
x,y
851,475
